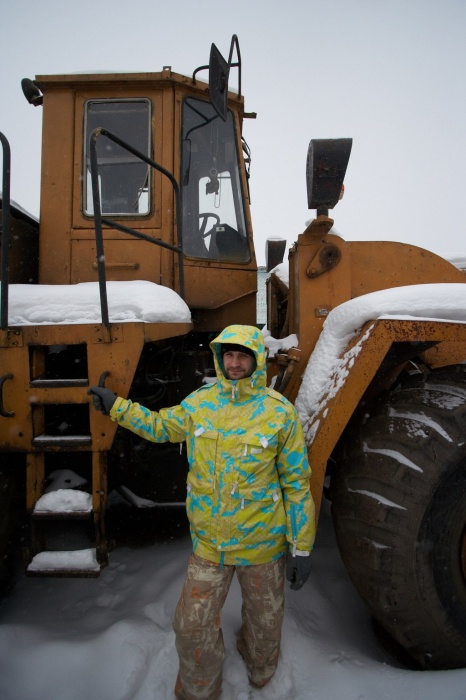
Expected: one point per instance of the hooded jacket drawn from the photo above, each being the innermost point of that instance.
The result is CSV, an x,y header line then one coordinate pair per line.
x,y
248,493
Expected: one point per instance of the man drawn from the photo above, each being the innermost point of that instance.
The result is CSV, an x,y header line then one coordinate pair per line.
x,y
248,503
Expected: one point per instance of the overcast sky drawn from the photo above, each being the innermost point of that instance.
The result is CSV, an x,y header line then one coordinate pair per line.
x,y
391,74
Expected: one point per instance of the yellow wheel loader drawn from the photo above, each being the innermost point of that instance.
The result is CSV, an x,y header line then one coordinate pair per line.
x,y
145,181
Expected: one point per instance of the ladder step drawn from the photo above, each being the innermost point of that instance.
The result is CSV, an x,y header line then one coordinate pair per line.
x,y
61,440
57,383
81,562
63,503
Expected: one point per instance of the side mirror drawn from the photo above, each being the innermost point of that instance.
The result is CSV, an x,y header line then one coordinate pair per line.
x,y
219,71
327,160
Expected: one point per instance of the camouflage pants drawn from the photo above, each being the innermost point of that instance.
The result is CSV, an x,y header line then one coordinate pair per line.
x,y
199,638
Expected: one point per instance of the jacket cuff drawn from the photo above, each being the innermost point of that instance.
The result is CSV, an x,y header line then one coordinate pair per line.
x,y
116,405
301,553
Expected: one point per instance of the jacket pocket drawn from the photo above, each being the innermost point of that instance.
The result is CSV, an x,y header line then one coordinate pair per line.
x,y
199,501
203,452
257,453
267,493
260,513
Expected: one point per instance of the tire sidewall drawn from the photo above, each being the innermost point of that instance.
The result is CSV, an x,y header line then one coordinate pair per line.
x,y
403,550
438,554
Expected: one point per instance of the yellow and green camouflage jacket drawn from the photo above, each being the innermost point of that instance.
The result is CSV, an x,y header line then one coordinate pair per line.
x,y
248,495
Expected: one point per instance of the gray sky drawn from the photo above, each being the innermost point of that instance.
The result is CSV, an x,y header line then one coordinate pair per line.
x,y
391,74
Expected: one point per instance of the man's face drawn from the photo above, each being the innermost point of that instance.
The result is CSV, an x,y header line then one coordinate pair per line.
x,y
238,365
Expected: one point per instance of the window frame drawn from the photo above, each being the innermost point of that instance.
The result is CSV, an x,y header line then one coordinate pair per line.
x,y
237,189
86,192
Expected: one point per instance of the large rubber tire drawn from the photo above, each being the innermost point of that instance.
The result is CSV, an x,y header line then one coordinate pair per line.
x,y
399,509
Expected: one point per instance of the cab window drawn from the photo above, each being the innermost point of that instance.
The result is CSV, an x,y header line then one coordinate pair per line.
x,y
124,180
213,214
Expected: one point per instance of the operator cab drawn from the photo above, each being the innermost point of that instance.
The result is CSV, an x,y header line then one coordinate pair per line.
x,y
144,178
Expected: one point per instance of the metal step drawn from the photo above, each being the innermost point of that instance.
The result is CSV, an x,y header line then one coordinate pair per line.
x,y
58,383
78,563
63,503
61,440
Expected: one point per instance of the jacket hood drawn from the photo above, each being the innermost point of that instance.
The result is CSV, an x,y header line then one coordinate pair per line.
x,y
250,337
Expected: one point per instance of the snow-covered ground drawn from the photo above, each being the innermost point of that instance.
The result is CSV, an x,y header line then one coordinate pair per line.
x,y
110,638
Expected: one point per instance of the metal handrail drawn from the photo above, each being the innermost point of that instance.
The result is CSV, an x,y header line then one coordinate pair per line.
x,y
5,228
99,219
235,44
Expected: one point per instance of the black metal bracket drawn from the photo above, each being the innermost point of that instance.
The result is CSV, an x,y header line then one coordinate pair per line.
x,y
99,219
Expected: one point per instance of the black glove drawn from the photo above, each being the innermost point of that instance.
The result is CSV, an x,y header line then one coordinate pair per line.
x,y
297,570
102,398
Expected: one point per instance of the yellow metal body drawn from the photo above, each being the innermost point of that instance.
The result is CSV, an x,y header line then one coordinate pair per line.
x,y
326,271
338,410
25,397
